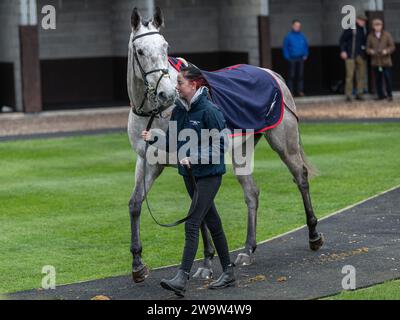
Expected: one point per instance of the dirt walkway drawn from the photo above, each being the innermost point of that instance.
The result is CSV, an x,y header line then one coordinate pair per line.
x,y
354,110
17,124
64,121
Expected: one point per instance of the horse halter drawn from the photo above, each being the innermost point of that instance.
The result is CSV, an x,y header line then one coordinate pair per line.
x,y
150,92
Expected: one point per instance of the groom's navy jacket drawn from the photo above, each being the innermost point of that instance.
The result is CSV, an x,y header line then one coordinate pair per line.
x,y
203,114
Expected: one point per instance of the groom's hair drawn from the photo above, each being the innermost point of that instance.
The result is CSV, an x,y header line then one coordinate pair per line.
x,y
192,73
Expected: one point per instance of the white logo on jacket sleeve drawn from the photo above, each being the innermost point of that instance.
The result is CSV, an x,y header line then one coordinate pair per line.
x,y
195,123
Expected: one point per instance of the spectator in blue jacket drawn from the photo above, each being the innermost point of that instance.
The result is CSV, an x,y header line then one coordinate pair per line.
x,y
295,51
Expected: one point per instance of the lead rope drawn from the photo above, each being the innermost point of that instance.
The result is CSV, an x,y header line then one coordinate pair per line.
x,y
190,174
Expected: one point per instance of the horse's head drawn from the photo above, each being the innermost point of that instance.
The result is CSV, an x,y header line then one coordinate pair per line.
x,y
150,58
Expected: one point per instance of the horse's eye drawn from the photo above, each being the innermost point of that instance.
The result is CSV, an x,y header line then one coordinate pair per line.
x,y
140,52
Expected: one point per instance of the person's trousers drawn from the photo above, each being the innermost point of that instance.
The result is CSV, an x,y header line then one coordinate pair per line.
x,y
296,75
204,209
357,66
386,74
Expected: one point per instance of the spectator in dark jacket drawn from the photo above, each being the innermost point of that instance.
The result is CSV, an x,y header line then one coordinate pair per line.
x,y
380,46
352,51
295,51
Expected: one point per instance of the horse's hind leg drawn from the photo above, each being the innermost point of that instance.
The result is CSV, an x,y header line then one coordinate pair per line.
x,y
284,139
251,196
205,271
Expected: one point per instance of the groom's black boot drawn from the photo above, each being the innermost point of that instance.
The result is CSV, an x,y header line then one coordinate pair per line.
x,y
176,284
226,279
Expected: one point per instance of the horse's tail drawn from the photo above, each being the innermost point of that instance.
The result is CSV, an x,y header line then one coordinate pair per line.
x,y
311,169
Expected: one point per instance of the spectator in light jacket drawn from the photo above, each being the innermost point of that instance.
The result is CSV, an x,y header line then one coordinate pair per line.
x,y
380,46
295,51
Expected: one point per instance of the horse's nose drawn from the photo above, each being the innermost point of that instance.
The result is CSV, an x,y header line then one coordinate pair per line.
x,y
162,96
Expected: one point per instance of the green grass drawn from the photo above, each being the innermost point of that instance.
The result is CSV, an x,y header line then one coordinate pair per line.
x,y
386,291
64,201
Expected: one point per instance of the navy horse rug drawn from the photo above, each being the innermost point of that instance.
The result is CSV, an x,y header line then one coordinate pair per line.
x,y
249,97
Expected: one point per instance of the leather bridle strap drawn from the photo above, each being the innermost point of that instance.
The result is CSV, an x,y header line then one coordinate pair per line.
x,y
193,182
194,200
144,35
149,90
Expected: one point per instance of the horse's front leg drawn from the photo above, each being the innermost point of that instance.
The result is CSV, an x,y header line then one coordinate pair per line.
x,y
205,271
140,270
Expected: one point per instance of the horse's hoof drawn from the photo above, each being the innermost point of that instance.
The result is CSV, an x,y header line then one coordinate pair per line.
x,y
243,259
140,274
203,273
316,244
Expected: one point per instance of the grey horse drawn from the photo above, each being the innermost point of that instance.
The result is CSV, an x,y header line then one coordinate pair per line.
x,y
151,86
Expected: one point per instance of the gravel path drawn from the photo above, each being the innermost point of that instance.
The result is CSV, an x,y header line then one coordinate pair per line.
x,y
354,110
97,120
63,121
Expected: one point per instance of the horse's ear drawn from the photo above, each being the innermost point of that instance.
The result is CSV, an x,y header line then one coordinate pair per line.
x,y
136,19
158,19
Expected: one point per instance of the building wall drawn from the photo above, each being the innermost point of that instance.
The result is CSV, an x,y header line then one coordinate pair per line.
x,y
10,84
101,28
191,26
392,24
78,59
90,44
198,26
392,21
8,31
121,24
238,27
83,30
